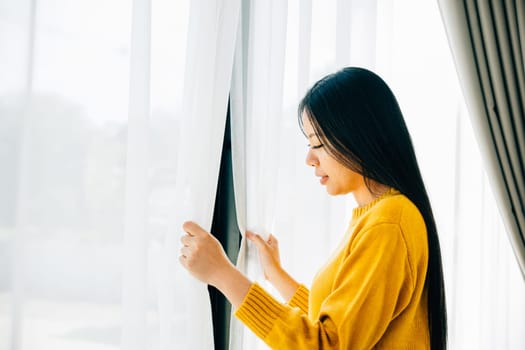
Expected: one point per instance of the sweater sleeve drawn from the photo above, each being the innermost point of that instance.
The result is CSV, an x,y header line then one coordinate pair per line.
x,y
373,285
300,298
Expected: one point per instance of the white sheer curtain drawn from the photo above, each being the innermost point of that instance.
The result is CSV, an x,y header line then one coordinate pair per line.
x,y
485,290
211,39
275,192
104,154
111,122
256,111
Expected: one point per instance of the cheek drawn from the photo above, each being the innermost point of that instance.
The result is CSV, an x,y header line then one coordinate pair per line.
x,y
353,179
343,178
328,163
348,180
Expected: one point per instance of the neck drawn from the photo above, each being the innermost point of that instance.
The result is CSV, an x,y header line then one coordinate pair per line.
x,y
364,196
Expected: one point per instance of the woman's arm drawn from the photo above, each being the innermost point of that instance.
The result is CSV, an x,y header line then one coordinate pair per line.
x,y
371,287
270,261
204,257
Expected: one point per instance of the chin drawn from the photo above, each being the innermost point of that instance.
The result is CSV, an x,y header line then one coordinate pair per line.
x,y
336,191
332,191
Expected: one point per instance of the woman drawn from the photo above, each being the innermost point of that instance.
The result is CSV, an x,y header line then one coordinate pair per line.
x,y
383,288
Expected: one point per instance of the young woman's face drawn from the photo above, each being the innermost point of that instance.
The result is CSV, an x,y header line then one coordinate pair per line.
x,y
337,178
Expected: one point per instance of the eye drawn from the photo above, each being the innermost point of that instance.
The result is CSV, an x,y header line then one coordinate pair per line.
x,y
316,146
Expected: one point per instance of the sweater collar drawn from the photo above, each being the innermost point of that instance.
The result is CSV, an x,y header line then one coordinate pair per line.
x,y
359,211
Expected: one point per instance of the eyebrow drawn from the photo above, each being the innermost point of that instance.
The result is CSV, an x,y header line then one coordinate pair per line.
x,y
311,135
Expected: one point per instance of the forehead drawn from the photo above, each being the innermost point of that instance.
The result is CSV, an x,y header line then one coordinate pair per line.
x,y
307,125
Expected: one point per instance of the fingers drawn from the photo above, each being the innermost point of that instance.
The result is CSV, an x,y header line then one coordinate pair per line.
x,y
272,240
185,252
195,239
182,260
189,241
185,240
192,228
255,238
189,253
186,261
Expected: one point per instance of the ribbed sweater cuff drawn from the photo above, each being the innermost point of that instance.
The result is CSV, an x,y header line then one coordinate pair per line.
x,y
300,298
259,310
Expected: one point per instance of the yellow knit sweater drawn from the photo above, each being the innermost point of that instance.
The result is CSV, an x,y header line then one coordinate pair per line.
x,y
370,294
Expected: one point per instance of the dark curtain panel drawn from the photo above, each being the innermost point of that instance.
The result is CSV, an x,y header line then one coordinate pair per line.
x,y
487,39
224,227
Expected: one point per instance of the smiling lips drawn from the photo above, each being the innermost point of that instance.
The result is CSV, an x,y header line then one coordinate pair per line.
x,y
323,178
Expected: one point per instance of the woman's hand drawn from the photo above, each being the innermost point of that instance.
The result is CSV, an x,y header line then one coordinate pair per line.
x,y
271,264
268,254
202,255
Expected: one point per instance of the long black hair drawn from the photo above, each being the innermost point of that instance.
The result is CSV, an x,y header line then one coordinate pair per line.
x,y
357,118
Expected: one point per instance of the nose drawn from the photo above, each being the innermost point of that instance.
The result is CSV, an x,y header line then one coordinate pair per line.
x,y
311,158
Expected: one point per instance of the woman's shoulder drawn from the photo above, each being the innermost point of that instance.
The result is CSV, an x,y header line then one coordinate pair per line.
x,y
395,209
395,216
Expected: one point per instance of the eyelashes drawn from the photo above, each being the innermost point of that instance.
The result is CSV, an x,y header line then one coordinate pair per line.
x,y
316,146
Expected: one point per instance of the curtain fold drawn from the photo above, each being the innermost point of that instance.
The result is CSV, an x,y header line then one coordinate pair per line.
x,y
24,88
113,140
256,119
207,80
137,190
411,53
485,41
